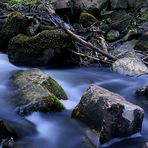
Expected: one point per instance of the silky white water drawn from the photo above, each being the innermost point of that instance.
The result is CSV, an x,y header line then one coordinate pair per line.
x,y
58,130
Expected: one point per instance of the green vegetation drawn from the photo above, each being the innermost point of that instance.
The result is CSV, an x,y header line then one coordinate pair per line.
x,y
144,16
55,88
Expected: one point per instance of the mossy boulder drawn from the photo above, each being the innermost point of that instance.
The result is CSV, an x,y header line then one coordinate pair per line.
x,y
87,19
45,48
34,90
15,24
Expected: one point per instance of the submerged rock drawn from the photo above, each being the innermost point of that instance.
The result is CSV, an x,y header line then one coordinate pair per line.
x,y
145,145
36,91
16,23
16,129
129,66
142,91
45,48
108,113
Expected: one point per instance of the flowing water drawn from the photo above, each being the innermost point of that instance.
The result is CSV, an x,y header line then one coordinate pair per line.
x,y
58,130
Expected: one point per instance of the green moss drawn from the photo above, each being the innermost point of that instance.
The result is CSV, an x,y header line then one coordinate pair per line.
x,y
16,23
36,91
41,49
53,39
53,104
54,88
86,19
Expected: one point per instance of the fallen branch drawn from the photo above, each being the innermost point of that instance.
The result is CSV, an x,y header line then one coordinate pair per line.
x,y
66,27
90,57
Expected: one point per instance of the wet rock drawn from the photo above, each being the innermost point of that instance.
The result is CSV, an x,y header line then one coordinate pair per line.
x,y
91,139
87,19
137,3
142,43
34,90
4,7
117,4
119,20
125,49
144,26
45,48
142,91
7,143
145,145
112,35
129,66
108,113
16,129
16,23
2,22
93,5
61,4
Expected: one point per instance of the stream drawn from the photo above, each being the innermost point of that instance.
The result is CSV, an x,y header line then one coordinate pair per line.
x,y
58,130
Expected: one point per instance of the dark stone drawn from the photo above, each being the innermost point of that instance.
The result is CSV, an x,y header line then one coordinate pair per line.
x,y
46,48
145,145
120,20
15,24
108,113
142,91
16,129
142,43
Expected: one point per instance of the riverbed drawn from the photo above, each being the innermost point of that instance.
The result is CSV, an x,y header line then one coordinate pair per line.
x,y
58,130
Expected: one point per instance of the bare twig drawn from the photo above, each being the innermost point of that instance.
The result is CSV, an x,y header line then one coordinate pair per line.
x,y
73,35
